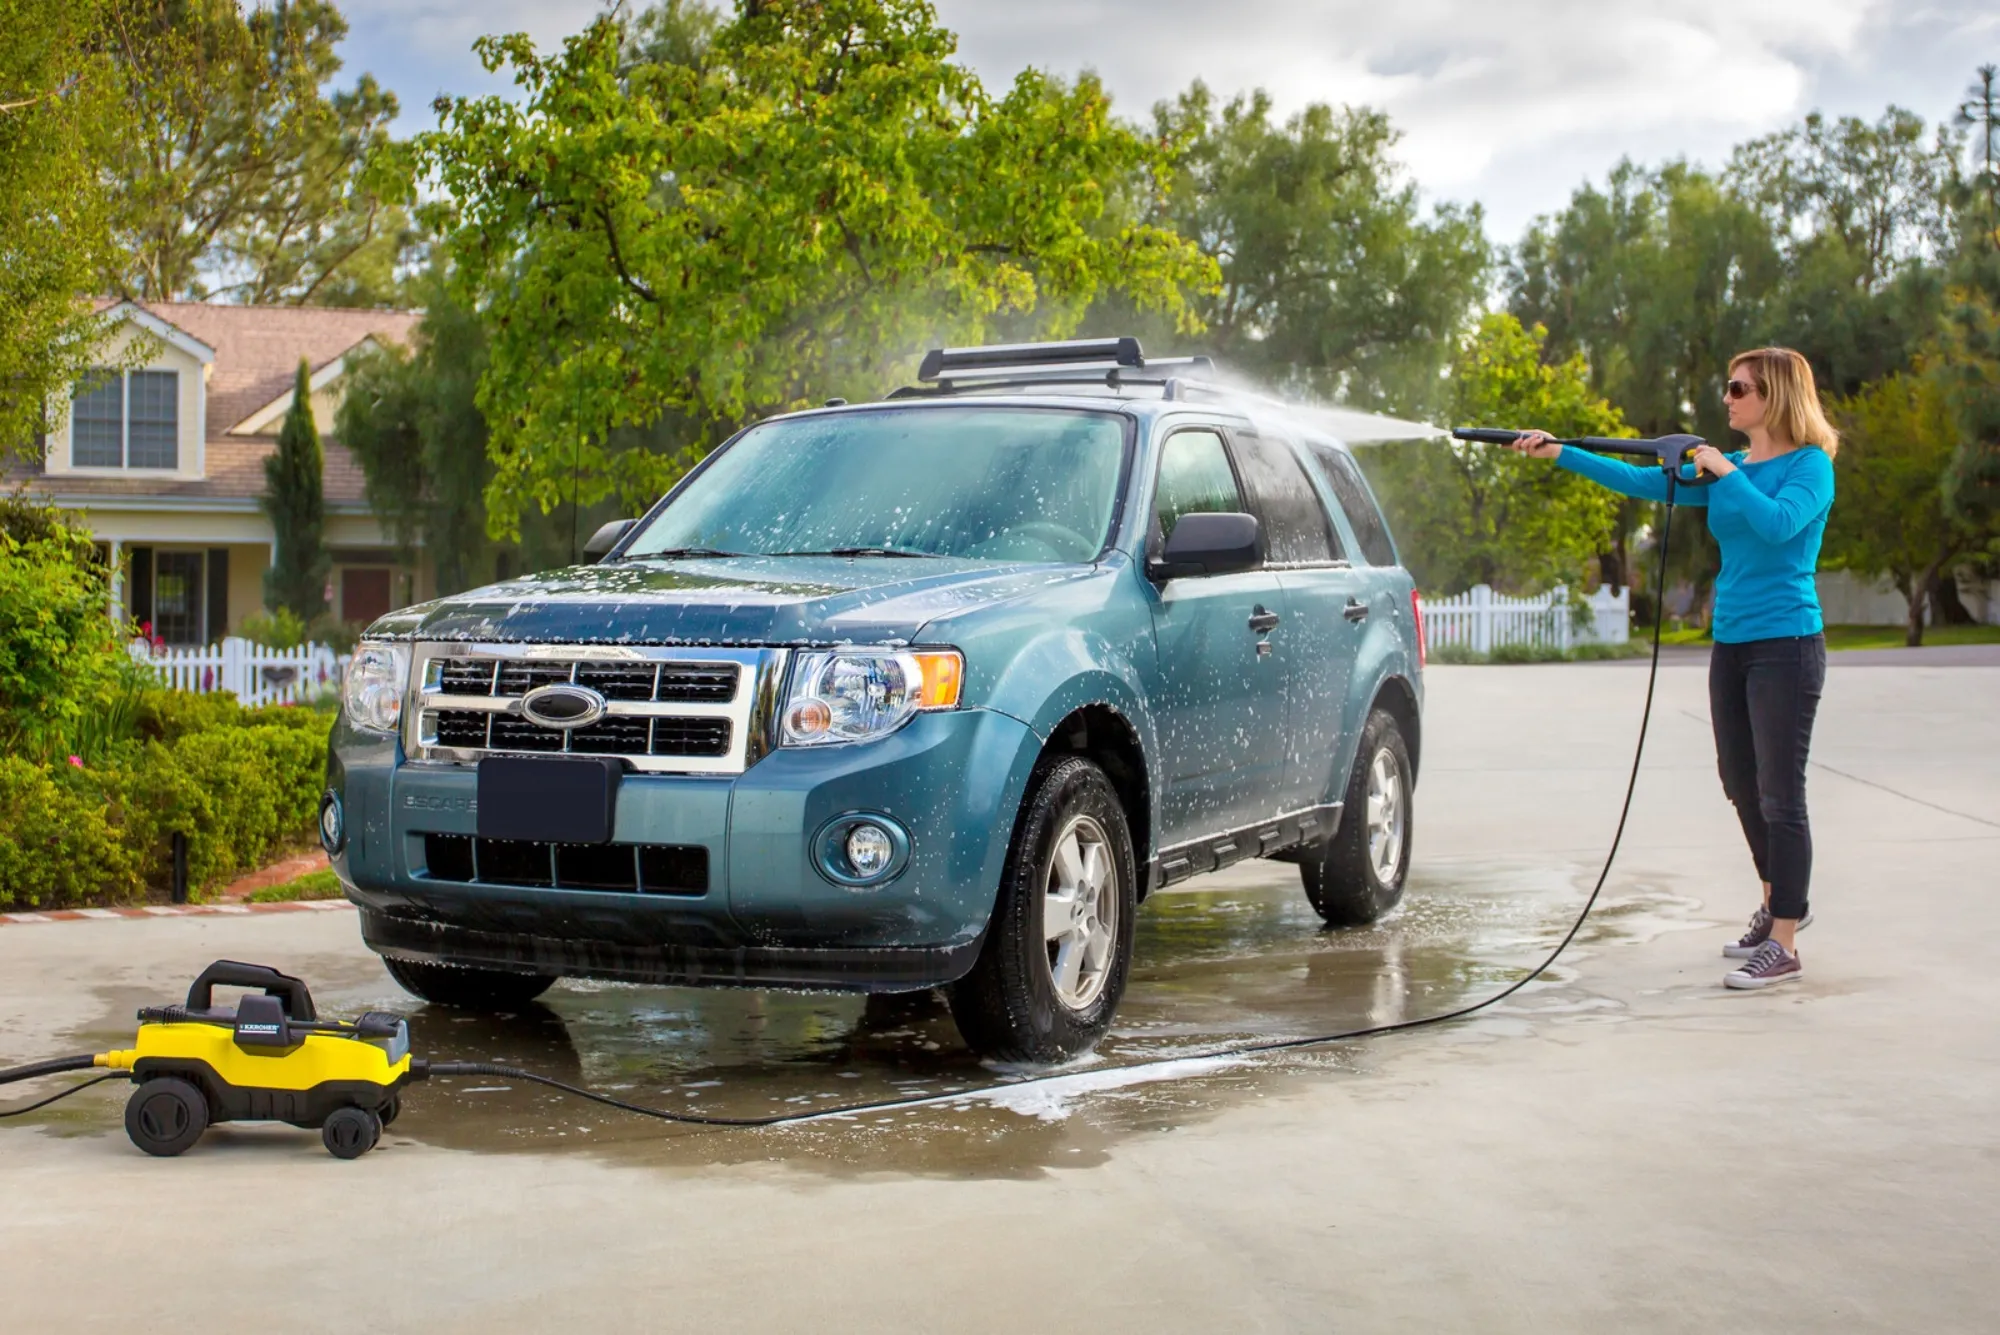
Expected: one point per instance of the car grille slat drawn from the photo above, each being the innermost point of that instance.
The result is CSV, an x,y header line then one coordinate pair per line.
x,y
520,678
690,737
698,683
518,734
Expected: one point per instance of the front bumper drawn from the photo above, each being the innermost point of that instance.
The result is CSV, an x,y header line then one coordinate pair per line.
x,y
767,916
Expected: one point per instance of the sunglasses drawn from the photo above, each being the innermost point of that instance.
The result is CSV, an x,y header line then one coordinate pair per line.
x,y
1738,389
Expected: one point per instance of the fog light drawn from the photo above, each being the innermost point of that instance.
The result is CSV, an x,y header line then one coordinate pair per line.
x,y
869,850
332,823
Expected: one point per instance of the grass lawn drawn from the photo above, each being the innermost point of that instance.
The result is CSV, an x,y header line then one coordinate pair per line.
x,y
1891,637
313,885
1863,637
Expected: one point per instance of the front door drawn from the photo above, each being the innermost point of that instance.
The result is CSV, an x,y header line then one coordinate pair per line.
x,y
1220,706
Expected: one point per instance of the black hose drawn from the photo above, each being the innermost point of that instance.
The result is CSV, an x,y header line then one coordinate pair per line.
x,y
65,1093
1232,1050
53,1066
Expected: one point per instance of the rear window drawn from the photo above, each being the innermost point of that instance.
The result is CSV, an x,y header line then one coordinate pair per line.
x,y
1358,503
1296,531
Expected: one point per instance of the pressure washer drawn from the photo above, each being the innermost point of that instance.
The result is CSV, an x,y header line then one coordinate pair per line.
x,y
273,1059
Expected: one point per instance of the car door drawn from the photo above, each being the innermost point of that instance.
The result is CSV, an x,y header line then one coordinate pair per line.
x,y
1219,708
1325,604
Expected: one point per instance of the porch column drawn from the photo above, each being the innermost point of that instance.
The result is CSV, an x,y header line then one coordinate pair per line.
x,y
117,608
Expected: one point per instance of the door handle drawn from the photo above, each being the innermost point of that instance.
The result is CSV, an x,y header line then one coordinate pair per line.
x,y
1355,610
1261,620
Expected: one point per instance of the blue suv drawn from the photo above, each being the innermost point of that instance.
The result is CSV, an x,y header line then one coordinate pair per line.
x,y
929,692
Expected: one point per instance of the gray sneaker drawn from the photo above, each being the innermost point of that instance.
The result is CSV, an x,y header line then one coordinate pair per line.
x,y
1771,964
1744,946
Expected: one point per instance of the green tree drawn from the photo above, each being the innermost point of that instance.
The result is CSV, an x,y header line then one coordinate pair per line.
x,y
1862,215
1335,285
295,501
821,193
57,114
1891,519
238,177
1472,514
412,420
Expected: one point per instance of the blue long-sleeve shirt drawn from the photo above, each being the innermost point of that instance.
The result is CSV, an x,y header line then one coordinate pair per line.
x,y
1767,517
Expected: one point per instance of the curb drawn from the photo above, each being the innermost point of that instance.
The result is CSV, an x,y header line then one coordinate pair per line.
x,y
177,911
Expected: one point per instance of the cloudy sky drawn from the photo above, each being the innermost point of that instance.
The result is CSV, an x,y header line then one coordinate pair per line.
x,y
1508,104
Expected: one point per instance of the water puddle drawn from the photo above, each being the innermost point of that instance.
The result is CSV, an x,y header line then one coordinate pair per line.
x,y
1235,957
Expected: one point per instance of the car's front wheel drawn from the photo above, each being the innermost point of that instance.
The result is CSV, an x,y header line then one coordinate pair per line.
x,y
1357,876
1059,946
466,987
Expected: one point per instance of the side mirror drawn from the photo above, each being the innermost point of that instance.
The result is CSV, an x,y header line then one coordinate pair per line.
x,y
1210,544
607,537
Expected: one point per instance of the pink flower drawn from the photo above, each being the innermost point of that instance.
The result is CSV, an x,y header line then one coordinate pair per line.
x,y
76,761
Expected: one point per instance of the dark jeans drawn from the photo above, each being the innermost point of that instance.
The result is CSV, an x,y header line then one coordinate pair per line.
x,y
1762,696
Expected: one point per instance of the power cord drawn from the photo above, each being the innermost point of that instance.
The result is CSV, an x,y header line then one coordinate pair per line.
x,y
423,1070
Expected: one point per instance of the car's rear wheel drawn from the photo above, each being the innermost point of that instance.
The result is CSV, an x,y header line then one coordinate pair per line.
x,y
466,987
1059,946
1357,876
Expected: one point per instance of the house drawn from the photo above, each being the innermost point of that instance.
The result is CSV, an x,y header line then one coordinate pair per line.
x,y
164,460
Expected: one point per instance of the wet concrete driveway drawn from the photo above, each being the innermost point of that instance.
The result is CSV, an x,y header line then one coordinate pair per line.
x,y
1235,957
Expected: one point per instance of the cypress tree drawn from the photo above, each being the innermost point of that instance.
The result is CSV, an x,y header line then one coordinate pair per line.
x,y
295,500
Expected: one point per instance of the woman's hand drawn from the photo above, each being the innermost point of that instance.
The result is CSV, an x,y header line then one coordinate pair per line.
x,y
1537,445
1709,460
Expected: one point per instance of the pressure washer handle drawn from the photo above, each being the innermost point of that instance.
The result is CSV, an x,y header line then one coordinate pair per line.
x,y
1671,453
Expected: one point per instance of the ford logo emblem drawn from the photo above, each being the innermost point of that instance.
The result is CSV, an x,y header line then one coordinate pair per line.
x,y
563,706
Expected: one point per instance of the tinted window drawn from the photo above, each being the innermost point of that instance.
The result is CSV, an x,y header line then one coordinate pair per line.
x,y
986,484
1295,527
1195,478
1359,504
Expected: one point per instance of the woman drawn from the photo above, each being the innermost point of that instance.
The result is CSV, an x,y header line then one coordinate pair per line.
x,y
1767,510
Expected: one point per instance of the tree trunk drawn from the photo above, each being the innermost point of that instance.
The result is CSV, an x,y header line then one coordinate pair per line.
x,y
1913,629
1946,608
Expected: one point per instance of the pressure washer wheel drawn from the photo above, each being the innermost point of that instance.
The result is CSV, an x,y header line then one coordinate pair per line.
x,y
1059,945
350,1132
465,987
1357,876
165,1116
391,1110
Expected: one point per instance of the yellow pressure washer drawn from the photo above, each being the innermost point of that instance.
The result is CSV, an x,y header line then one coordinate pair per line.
x,y
271,1059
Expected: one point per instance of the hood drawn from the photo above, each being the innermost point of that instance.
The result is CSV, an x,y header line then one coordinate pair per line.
x,y
747,600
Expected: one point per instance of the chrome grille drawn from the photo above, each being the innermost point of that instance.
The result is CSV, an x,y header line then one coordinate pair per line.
x,y
703,711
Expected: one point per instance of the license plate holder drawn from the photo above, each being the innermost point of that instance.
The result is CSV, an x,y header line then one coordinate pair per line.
x,y
548,799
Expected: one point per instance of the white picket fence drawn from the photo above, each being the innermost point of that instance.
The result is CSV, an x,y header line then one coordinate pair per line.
x,y
252,673
1482,620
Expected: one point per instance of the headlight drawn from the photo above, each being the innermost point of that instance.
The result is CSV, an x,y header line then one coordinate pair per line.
x,y
373,688
853,695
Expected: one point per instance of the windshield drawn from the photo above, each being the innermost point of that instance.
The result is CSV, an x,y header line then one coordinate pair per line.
x,y
985,483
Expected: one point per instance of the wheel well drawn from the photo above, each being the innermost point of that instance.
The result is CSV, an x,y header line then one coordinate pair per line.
x,y
1108,737
1400,701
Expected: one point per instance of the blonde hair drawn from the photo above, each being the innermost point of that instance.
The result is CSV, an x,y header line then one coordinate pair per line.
x,y
1791,399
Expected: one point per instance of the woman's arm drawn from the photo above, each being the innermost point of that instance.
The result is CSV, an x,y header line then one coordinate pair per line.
x,y
1646,482
1804,494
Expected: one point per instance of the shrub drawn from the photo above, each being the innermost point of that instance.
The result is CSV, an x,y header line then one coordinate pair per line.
x,y
280,628
57,844
60,656
242,784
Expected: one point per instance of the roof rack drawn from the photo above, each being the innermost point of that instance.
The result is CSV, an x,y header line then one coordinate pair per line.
x,y
1088,361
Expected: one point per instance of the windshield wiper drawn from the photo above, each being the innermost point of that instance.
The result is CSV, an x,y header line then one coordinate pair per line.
x,y
859,551
670,553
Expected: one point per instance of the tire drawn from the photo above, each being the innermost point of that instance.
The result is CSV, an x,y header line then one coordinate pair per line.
x,y
390,1111
466,987
350,1132
1357,876
1012,1007
165,1116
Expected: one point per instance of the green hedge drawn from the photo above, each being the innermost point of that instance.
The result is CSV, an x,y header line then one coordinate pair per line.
x,y
243,785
